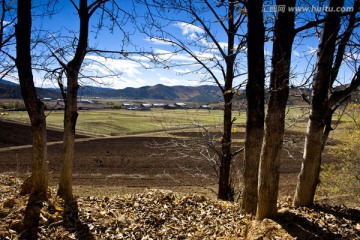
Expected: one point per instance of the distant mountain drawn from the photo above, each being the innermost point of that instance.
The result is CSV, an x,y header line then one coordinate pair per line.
x,y
7,83
162,92
8,91
93,91
206,93
12,90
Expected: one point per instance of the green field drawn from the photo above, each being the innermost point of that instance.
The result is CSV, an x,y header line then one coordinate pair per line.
x,y
125,122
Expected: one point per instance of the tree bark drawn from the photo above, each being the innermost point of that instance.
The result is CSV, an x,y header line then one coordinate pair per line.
x,y
70,118
225,191
320,110
255,104
72,70
275,118
34,106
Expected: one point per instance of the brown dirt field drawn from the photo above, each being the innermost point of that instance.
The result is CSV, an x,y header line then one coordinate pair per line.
x,y
17,134
128,164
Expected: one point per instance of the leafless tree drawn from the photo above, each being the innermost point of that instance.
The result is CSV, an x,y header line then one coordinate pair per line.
x,y
255,103
201,145
63,59
213,60
7,37
50,53
336,45
34,106
284,33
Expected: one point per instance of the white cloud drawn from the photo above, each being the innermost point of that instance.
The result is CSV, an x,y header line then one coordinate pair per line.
x,y
132,74
296,53
93,68
188,28
185,58
193,36
141,59
118,73
311,50
207,55
110,66
165,55
125,82
350,56
7,24
158,41
223,45
169,81
181,71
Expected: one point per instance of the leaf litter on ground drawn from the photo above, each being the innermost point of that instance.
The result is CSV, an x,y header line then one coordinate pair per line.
x,y
155,214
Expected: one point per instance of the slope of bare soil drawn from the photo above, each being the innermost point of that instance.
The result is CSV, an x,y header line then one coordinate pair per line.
x,y
17,134
111,167
129,162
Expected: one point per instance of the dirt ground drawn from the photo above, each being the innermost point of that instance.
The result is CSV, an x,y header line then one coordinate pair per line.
x,y
128,164
17,134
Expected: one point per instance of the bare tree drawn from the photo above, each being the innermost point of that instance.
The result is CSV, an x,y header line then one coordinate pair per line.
x,y
284,34
7,36
255,103
71,70
325,97
57,62
34,106
209,23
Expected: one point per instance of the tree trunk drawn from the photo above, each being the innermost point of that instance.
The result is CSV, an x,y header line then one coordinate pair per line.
x,y
310,169
72,73
320,110
39,138
225,191
34,106
312,155
255,104
275,119
70,118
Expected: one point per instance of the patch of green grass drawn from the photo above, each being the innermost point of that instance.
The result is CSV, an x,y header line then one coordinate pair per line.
x,y
340,180
123,122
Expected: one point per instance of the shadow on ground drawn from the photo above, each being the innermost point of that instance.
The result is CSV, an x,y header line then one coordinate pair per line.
x,y
72,222
301,228
30,227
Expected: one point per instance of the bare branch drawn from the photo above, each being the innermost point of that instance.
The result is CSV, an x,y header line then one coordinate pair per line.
x,y
208,32
309,25
74,5
339,95
342,44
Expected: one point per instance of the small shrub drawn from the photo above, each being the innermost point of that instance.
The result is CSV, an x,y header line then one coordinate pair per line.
x,y
116,106
18,105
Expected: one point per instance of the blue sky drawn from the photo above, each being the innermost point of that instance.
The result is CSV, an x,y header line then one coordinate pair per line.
x,y
133,71
140,71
